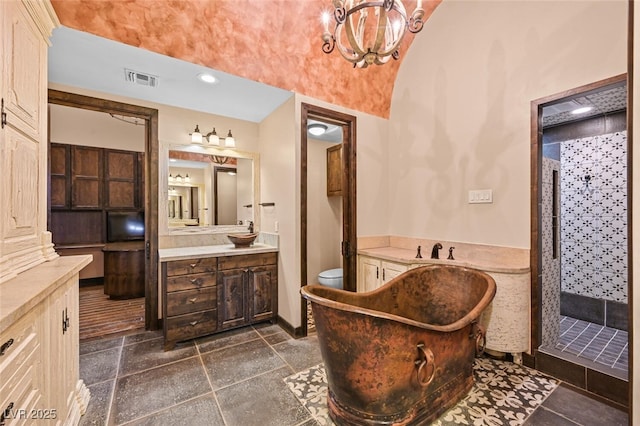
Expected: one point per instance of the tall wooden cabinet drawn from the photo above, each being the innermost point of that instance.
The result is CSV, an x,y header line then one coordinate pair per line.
x,y
24,241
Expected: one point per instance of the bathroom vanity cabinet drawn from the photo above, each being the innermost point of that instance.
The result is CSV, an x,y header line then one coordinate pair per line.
x,y
206,295
373,272
247,289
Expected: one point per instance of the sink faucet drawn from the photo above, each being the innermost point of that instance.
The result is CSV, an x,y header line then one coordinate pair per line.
x,y
251,227
434,250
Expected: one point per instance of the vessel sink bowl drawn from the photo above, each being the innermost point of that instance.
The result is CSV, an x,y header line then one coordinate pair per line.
x,y
242,240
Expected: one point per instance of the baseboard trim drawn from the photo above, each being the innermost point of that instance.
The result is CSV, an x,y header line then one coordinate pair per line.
x,y
295,332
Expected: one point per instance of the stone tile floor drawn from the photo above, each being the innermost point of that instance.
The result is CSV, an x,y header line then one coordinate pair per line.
x,y
603,345
237,378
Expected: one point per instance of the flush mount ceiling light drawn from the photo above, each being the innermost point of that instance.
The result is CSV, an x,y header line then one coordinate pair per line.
x,y
581,110
212,138
364,42
207,78
317,129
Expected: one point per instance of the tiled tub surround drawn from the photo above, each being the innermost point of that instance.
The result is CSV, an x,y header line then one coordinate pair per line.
x,y
507,318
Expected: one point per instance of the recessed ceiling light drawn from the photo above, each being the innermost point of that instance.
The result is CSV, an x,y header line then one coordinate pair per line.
x,y
317,129
207,78
581,110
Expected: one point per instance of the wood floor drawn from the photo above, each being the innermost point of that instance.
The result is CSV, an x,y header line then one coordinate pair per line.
x,y
101,316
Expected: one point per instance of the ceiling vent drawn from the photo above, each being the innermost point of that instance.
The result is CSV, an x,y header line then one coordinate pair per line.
x,y
140,78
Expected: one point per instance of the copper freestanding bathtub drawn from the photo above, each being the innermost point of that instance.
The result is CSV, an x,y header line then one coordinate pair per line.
x,y
403,353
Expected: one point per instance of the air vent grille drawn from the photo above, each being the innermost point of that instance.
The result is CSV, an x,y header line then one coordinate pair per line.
x,y
140,78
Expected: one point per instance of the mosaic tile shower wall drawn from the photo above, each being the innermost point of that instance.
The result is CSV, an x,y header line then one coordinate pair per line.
x,y
593,214
550,265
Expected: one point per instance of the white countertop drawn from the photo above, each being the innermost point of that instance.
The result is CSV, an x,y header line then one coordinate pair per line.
x,y
498,259
23,292
181,253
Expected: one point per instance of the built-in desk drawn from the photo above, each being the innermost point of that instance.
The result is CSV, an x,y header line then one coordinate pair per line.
x,y
124,269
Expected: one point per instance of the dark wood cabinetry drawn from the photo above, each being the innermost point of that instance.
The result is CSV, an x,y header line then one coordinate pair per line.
x,y
124,270
85,183
334,170
207,295
86,177
247,289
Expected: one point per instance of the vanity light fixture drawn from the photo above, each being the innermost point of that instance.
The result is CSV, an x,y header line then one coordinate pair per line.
x,y
317,129
213,138
187,178
170,178
229,141
179,178
369,32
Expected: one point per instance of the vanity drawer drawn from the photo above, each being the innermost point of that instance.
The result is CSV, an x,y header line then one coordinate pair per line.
x,y
188,326
247,261
191,281
187,301
191,266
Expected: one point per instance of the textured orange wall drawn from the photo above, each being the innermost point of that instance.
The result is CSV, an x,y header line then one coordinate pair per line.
x,y
276,42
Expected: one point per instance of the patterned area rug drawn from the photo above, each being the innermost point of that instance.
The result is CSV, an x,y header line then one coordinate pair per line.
x,y
504,393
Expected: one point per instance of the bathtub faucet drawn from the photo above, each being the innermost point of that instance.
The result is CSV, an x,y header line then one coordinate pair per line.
x,y
451,253
251,227
434,250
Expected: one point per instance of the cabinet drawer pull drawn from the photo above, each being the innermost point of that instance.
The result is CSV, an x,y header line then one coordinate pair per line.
x,y
6,413
193,300
193,265
5,346
193,322
193,280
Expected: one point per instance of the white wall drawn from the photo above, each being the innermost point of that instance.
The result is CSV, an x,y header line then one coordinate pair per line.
x,y
278,170
460,111
324,214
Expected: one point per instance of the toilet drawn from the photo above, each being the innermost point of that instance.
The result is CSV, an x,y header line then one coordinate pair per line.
x,y
331,278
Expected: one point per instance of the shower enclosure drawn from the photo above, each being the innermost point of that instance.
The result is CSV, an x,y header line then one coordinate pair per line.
x,y
583,235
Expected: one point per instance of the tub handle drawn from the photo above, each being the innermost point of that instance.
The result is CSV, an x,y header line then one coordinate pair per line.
x,y
425,362
480,335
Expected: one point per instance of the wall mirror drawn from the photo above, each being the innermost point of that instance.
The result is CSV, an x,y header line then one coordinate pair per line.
x,y
210,191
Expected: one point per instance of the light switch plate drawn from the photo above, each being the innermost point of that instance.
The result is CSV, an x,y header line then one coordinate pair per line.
x,y
477,196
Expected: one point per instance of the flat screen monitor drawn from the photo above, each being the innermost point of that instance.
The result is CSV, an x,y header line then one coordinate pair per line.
x,y
125,226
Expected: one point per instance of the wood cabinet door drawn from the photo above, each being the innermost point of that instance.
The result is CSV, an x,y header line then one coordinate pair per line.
x,y
60,185
263,291
121,179
369,274
334,170
86,177
390,270
232,298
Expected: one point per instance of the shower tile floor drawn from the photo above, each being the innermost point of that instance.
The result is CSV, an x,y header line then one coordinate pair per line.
x,y
240,378
602,345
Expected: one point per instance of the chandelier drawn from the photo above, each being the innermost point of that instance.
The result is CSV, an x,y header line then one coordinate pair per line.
x,y
364,42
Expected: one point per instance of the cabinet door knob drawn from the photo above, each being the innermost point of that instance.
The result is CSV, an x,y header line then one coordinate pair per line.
x,y
193,280
193,265
193,322
193,300
5,346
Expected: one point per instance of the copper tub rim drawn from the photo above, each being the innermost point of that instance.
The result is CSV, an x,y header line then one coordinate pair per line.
x,y
469,318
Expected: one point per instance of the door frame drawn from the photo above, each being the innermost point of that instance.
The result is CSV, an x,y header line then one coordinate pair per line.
x,y
150,117
536,217
349,218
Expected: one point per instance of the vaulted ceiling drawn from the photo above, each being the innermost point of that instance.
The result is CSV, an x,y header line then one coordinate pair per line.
x,y
276,42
